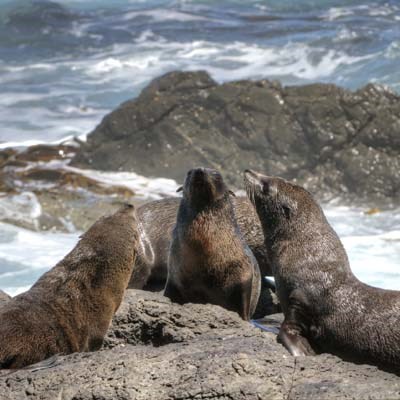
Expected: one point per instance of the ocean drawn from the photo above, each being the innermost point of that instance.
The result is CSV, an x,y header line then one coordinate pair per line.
x,y
65,64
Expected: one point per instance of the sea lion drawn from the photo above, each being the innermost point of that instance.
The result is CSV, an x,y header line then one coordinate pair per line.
x,y
156,222
209,261
69,308
326,308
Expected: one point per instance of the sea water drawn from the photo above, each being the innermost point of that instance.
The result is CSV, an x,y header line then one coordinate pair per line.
x,y
65,64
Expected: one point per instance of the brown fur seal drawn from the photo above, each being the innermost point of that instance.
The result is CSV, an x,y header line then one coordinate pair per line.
x,y
70,307
209,261
326,308
156,222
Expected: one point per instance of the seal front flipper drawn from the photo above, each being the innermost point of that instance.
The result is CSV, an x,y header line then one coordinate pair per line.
x,y
296,325
173,293
296,344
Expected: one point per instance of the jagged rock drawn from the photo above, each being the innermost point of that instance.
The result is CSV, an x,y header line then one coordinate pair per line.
x,y
159,350
331,140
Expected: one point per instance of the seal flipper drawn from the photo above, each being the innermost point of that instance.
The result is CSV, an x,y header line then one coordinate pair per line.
x,y
294,328
296,344
173,293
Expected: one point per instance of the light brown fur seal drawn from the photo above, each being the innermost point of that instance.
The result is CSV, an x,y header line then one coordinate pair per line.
x,y
209,261
156,223
70,307
326,308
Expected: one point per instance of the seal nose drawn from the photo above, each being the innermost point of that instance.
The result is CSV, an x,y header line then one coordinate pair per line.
x,y
198,173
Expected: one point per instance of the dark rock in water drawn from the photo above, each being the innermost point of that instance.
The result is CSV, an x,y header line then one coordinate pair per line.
x,y
4,297
162,350
332,141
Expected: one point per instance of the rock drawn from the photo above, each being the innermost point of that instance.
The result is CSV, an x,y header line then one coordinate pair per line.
x,y
40,192
159,350
333,141
4,297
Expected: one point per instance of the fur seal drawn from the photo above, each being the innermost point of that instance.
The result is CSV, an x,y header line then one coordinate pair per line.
x,y
209,261
326,308
156,221
69,308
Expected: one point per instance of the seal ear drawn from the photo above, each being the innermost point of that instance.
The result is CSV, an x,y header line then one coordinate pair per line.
x,y
287,211
180,188
232,193
289,208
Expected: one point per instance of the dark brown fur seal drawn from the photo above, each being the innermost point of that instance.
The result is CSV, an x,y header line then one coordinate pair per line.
x,y
70,307
326,308
209,261
156,222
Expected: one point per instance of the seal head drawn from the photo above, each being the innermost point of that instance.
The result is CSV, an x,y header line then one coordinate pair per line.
x,y
204,186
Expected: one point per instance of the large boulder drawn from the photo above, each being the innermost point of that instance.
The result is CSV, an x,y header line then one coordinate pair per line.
x,y
331,140
159,350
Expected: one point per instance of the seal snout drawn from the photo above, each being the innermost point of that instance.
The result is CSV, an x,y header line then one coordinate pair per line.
x,y
252,180
252,177
259,184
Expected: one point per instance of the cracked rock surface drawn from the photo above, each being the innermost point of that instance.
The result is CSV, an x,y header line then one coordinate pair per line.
x,y
159,350
333,141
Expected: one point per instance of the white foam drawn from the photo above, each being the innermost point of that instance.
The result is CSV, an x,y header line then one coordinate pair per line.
x,y
33,142
156,56
372,243
162,14
335,13
146,188
28,254
21,207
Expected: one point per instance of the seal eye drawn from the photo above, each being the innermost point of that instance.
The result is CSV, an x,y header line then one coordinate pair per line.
x,y
287,211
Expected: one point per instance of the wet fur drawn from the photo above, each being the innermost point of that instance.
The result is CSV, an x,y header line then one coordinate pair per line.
x,y
157,220
70,307
327,309
209,261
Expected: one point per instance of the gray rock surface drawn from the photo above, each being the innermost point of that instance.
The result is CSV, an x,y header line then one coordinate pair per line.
x,y
331,140
159,350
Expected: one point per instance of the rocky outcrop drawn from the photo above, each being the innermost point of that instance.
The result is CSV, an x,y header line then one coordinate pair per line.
x,y
332,141
39,191
159,350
